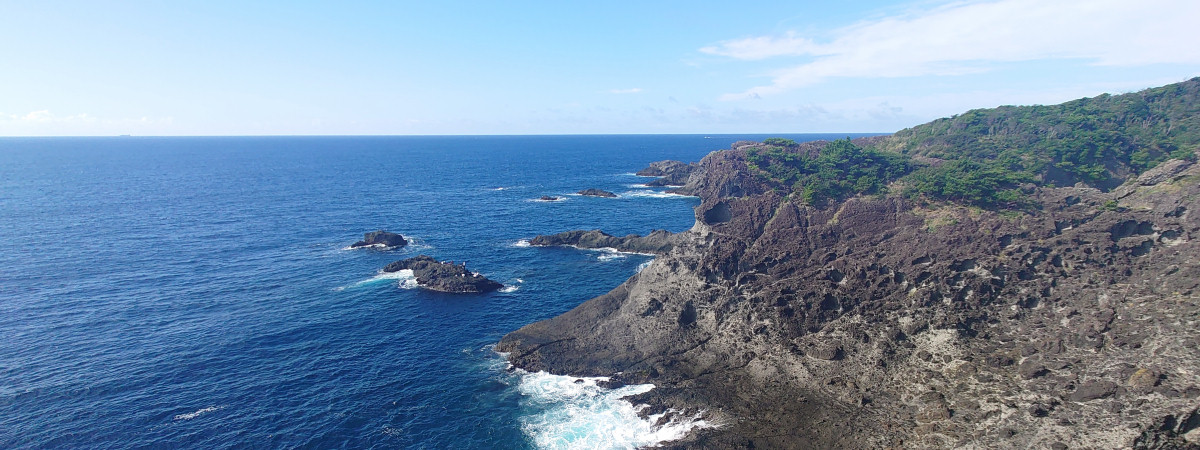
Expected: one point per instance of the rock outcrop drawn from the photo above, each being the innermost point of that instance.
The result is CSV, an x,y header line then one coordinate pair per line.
x,y
381,239
882,322
548,198
593,192
657,242
670,173
444,277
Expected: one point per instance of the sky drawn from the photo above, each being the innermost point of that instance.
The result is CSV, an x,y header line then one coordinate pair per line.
x,y
216,67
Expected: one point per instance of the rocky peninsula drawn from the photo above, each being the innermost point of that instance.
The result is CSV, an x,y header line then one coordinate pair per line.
x,y
888,304
670,173
444,277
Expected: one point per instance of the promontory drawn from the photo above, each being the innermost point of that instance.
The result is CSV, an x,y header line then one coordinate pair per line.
x,y
1017,277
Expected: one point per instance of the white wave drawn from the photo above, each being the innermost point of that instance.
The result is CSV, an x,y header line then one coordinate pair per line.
x,y
643,266
197,413
507,289
609,253
374,246
521,243
414,244
557,198
575,413
631,174
405,279
637,186
653,194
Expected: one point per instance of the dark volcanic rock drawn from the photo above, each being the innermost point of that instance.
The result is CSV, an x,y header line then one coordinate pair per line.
x,y
671,173
381,238
445,277
881,322
657,242
547,198
1093,390
597,193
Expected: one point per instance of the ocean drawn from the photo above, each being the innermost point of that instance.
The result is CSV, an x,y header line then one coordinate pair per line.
x,y
176,292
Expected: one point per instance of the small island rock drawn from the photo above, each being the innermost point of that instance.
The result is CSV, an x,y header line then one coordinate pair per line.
x,y
597,193
381,238
657,242
547,198
444,277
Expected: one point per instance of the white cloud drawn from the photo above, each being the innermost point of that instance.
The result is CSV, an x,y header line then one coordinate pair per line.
x,y
763,47
625,91
973,36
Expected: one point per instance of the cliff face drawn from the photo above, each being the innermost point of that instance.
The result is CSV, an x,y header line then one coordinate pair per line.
x,y
879,322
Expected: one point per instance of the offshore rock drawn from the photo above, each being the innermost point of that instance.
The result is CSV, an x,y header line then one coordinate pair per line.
x,y
879,322
382,239
444,277
657,242
593,192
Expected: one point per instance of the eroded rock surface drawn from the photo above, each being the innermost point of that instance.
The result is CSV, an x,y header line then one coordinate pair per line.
x,y
670,173
883,323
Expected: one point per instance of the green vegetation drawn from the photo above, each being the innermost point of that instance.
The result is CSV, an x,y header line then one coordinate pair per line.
x,y
1099,140
840,170
981,157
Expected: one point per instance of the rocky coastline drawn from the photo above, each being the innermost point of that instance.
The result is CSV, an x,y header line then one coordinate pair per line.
x,y
444,277
886,322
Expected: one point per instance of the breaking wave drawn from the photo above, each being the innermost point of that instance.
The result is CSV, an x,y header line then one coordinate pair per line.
x,y
197,413
405,279
566,412
647,193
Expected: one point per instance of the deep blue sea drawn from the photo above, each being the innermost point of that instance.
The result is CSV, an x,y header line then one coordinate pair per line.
x,y
198,293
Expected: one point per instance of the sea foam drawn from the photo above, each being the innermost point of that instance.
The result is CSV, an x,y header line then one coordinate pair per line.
x,y
197,413
405,279
653,194
575,413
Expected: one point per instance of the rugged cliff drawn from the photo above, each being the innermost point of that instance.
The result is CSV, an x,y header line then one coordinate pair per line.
x,y
887,320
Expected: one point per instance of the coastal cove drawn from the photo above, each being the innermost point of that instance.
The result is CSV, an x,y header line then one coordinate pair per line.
x,y
199,292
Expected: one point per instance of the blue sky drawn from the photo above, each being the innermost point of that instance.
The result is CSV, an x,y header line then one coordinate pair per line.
x,y
300,68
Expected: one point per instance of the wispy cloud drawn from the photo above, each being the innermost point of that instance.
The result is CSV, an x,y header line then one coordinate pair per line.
x,y
974,36
625,91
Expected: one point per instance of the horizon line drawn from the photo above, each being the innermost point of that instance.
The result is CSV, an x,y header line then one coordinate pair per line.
x,y
431,135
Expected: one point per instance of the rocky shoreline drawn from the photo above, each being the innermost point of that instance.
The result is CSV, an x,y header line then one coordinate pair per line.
x,y
881,322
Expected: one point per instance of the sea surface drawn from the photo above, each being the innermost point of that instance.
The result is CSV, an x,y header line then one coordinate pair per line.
x,y
198,292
